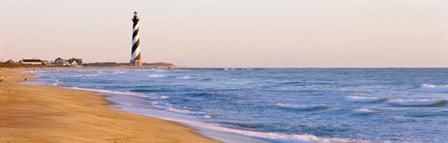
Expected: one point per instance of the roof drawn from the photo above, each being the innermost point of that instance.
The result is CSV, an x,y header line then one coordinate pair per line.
x,y
31,60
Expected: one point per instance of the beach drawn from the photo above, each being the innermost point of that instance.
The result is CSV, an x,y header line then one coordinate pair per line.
x,y
230,105
36,113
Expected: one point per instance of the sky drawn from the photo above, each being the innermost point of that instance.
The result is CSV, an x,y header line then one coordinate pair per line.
x,y
232,33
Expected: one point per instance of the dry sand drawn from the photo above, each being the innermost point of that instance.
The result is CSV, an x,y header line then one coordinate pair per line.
x,y
34,113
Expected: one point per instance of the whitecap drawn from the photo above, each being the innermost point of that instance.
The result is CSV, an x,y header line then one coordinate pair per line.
x,y
366,99
419,102
184,77
364,111
432,88
208,116
99,72
163,97
428,85
120,72
156,75
79,75
303,107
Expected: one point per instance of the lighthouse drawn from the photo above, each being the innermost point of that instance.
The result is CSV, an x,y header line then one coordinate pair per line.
x,y
135,51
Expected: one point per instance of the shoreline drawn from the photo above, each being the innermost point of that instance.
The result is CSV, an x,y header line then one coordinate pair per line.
x,y
55,114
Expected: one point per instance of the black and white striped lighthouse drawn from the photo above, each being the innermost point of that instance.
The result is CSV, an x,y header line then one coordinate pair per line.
x,y
135,51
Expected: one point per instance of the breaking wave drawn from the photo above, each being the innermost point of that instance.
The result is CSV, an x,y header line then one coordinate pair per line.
x,y
431,114
257,134
169,107
149,90
432,88
152,96
302,107
156,75
363,111
177,110
366,99
419,103
184,77
120,72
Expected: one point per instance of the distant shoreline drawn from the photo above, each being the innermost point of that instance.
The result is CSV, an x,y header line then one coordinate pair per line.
x,y
110,65
170,66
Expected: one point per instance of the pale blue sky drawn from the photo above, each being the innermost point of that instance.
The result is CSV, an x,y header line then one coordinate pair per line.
x,y
361,33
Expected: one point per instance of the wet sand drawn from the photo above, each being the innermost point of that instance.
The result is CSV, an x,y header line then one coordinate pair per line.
x,y
34,113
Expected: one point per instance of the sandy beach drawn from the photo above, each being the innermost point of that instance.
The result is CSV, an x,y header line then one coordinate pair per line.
x,y
34,113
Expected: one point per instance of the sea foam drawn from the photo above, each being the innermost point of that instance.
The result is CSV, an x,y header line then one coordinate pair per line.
x,y
265,135
152,96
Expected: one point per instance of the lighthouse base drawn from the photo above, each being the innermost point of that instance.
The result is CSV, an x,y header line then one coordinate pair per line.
x,y
136,63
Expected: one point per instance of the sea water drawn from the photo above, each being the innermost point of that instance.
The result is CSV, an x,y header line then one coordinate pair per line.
x,y
280,105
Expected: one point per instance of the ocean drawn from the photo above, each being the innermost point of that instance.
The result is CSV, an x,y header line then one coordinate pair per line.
x,y
280,105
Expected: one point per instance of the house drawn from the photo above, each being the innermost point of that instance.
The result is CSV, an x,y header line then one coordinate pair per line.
x,y
46,62
60,62
74,62
10,61
31,61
